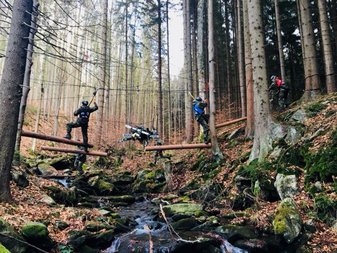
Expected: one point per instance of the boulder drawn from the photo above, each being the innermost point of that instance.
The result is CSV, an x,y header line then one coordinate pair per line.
x,y
185,224
45,169
299,116
47,200
64,196
189,209
286,185
9,241
101,184
287,221
20,178
293,135
36,233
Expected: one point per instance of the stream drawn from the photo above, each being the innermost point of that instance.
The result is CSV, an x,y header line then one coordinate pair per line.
x,y
152,235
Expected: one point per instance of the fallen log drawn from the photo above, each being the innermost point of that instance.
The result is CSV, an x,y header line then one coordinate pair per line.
x,y
53,138
230,122
74,151
178,146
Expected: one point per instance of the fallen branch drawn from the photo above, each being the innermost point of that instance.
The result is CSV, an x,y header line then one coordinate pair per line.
x,y
172,231
24,242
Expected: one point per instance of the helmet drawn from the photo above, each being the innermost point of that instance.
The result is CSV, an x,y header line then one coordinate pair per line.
x,y
198,99
85,103
273,78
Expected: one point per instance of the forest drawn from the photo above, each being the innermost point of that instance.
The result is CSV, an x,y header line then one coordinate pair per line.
x,y
106,148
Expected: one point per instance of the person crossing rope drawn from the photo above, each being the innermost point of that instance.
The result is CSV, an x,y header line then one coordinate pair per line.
x,y
83,114
199,106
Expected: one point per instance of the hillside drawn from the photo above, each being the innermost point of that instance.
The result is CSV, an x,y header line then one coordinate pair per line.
x,y
232,192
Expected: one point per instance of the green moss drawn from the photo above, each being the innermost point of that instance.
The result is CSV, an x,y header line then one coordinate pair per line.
x,y
322,166
325,208
293,155
281,216
3,249
313,109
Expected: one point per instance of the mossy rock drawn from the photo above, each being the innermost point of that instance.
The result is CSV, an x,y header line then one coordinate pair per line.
x,y
101,184
185,224
64,196
100,240
8,242
287,221
37,234
189,209
3,249
235,232
77,238
63,162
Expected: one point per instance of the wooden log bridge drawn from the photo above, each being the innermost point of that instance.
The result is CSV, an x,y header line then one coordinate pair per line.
x,y
228,123
53,138
178,146
74,151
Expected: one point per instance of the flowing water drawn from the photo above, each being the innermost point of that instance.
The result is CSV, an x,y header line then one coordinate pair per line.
x,y
153,236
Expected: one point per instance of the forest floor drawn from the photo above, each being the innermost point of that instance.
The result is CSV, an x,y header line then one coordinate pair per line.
x,y
27,205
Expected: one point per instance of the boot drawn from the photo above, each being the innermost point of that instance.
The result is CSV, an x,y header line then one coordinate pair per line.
x,y
68,136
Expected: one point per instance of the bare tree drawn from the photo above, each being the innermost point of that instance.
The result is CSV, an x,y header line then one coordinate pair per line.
x,y
26,80
312,82
215,146
248,74
188,71
262,117
327,48
279,39
104,74
11,88
240,55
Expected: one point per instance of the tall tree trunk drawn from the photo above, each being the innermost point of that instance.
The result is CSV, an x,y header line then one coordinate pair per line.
x,y
248,74
327,48
169,102
126,62
26,80
201,52
240,54
215,146
228,60
187,70
160,88
279,39
312,82
104,70
11,88
262,118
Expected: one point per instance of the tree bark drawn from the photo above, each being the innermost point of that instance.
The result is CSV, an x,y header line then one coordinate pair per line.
x,y
26,80
11,89
104,74
312,82
187,70
327,48
215,146
240,54
262,118
279,39
249,132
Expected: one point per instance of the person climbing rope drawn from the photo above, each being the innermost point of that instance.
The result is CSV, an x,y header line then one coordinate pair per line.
x,y
83,114
199,106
